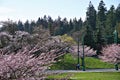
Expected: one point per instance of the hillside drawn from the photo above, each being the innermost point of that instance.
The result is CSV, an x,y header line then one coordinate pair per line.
x,y
68,62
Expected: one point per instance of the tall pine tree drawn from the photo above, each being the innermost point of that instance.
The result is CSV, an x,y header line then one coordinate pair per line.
x,y
110,24
110,21
91,16
101,14
90,25
50,26
118,13
27,26
100,32
20,26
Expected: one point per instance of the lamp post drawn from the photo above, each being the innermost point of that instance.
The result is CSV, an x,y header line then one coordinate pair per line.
x,y
78,62
115,33
83,56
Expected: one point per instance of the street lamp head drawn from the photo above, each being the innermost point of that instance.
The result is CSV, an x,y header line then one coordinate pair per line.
x,y
115,33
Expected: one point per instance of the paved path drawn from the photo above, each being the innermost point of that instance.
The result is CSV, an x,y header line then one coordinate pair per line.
x,y
88,70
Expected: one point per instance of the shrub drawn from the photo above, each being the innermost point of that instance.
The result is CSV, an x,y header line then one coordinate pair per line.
x,y
111,53
24,65
88,52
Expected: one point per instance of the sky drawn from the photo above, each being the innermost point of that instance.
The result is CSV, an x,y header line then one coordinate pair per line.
x,y
32,9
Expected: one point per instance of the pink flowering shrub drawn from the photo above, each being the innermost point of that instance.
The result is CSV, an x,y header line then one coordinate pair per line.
x,y
24,65
88,52
25,56
111,53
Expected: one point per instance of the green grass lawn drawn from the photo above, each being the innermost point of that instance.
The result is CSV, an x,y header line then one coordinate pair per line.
x,y
68,62
87,76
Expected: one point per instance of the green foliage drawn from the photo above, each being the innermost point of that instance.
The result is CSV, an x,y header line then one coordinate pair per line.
x,y
118,13
20,26
118,28
89,37
91,16
77,24
88,76
51,29
50,26
110,21
90,26
100,39
26,26
102,12
68,39
68,62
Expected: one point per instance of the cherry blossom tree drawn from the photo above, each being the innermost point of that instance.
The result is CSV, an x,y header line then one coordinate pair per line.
x,y
4,39
88,52
26,56
24,65
111,53
13,43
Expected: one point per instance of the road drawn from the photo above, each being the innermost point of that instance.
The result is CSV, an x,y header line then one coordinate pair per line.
x,y
88,70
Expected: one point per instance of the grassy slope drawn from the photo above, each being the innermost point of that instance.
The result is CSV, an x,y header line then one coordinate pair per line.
x,y
69,62
88,76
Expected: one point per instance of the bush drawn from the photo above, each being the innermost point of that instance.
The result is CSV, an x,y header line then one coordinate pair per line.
x,y
68,39
111,53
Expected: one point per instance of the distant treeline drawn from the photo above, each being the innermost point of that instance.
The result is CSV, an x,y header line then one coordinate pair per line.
x,y
97,28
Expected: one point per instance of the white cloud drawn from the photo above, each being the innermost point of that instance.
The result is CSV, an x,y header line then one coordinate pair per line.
x,y
5,10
